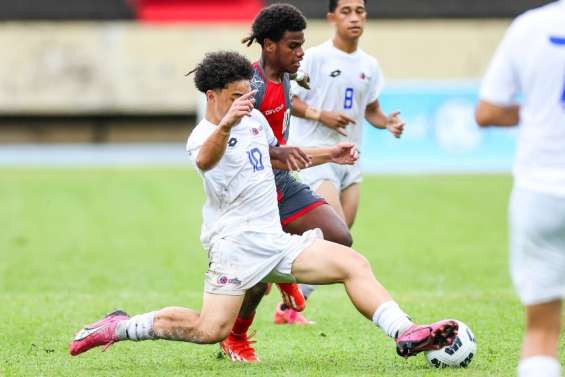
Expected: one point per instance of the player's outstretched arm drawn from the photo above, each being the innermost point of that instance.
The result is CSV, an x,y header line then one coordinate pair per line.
x,y
334,120
214,147
289,158
341,153
488,114
378,119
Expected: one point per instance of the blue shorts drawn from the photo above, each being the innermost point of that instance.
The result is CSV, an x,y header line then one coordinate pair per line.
x,y
295,198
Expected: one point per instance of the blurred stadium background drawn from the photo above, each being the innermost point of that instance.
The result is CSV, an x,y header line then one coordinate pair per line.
x,y
103,80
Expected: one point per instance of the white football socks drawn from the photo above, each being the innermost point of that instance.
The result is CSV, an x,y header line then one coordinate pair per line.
x,y
391,319
539,366
138,327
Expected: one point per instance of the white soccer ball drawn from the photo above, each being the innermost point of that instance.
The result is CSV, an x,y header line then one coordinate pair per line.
x,y
459,354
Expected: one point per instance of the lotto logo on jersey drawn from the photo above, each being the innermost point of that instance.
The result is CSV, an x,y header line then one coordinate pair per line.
x,y
335,73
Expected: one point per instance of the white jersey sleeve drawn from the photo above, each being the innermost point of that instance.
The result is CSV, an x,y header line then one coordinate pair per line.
x,y
500,85
196,139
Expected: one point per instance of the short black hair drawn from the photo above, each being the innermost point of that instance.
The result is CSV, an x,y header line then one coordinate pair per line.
x,y
219,69
333,5
273,21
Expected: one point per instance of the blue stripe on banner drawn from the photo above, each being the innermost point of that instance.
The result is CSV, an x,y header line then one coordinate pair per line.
x,y
560,41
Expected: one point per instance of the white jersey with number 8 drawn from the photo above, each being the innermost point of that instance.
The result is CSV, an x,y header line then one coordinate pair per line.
x,y
340,82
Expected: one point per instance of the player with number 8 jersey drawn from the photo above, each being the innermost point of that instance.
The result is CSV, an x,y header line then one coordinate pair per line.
x,y
341,82
345,86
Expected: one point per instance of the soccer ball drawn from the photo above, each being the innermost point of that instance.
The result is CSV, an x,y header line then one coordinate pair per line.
x,y
459,354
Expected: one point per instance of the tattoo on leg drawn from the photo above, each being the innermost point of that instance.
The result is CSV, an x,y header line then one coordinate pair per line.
x,y
179,324
183,334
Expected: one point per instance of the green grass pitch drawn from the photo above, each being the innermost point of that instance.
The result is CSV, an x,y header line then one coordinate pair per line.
x,y
75,244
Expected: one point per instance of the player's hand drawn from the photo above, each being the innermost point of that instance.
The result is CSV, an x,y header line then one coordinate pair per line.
x,y
336,121
395,125
345,154
294,158
241,107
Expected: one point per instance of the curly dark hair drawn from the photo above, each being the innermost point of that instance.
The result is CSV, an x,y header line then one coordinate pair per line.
x,y
333,5
273,21
219,69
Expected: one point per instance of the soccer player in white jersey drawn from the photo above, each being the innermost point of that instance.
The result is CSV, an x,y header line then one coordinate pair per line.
x,y
243,235
530,62
345,86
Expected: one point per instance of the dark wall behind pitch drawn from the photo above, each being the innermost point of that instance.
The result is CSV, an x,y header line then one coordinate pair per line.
x,y
30,10
427,8
124,9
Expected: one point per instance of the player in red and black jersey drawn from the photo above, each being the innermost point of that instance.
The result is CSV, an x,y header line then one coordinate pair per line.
x,y
279,29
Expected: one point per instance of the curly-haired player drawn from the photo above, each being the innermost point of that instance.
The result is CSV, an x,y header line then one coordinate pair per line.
x,y
244,238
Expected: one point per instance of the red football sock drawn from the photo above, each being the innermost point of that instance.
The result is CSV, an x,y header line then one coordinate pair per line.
x,y
242,325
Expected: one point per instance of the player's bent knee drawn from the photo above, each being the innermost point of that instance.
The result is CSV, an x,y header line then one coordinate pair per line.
x,y
219,336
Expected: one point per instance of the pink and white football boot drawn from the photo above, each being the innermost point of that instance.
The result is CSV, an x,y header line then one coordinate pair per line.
x,y
419,338
101,333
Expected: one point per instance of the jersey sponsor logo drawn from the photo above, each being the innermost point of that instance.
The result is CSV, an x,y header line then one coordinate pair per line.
x,y
364,76
232,142
275,110
225,280
335,73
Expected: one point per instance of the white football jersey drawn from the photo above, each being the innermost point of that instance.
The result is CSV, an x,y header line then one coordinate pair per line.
x,y
340,82
530,62
240,190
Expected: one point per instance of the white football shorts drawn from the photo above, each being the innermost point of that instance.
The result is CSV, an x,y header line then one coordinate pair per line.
x,y
537,246
237,264
342,176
